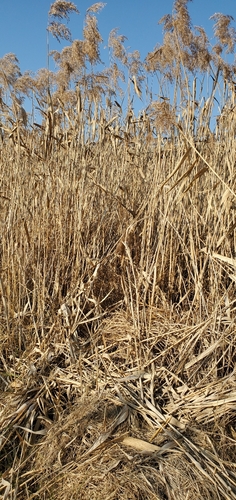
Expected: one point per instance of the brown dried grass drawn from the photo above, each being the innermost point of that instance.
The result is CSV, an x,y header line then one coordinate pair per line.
x,y
117,311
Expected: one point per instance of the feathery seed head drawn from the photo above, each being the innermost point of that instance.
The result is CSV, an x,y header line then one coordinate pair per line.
x,y
62,8
96,7
59,31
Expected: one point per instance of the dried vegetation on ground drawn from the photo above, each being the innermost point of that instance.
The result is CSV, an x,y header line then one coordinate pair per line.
x,y
117,286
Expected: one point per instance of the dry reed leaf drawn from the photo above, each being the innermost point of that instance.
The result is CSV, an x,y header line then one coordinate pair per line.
x,y
68,381
226,235
206,162
225,200
197,176
41,432
184,176
16,384
227,260
136,87
123,415
203,354
140,444
233,433
182,160
7,486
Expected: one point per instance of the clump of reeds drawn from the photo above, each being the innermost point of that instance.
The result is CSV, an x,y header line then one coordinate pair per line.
x,y
117,286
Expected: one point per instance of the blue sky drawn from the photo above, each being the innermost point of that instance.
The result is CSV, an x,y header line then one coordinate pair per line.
x,y
23,25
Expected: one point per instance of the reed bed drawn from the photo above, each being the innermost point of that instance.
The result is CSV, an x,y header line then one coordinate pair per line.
x,y
117,311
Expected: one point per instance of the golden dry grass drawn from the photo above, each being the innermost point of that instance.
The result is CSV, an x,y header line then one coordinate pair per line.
x,y
117,287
